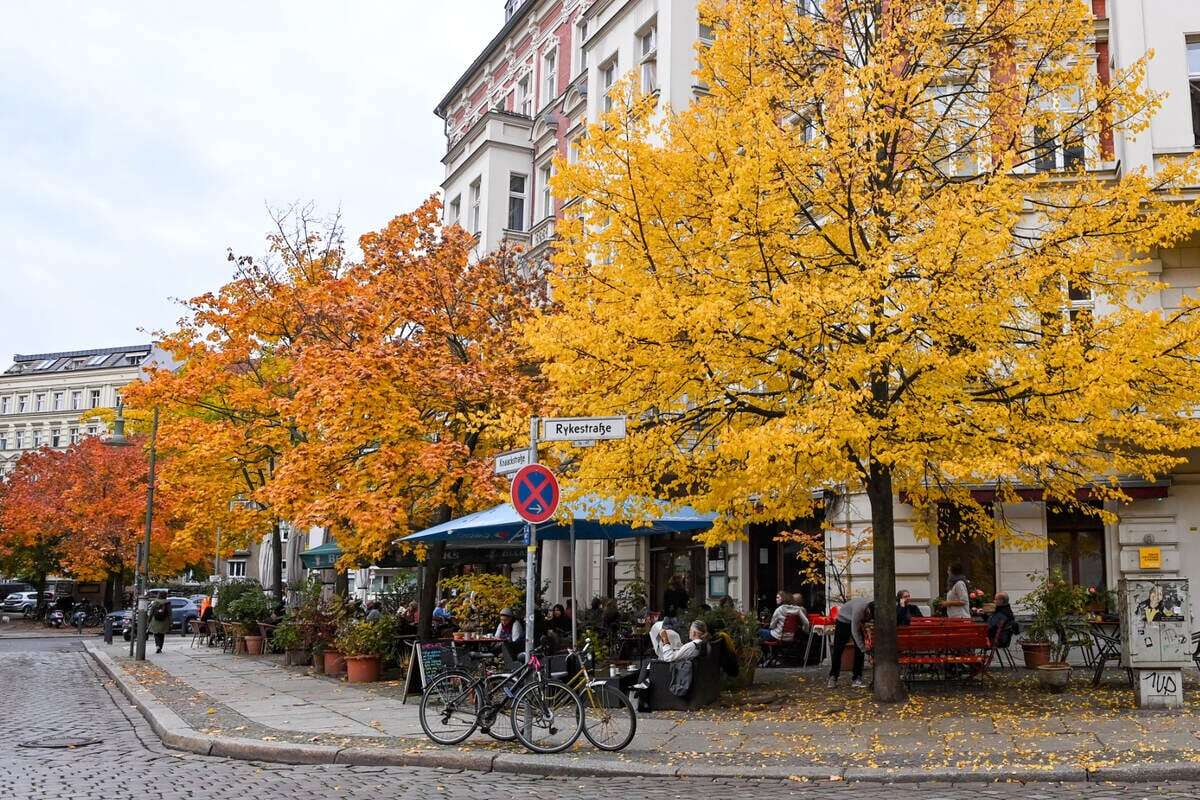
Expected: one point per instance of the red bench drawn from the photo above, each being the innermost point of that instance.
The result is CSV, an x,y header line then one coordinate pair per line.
x,y
932,649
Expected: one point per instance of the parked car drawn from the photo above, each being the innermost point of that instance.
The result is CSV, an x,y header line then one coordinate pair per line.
x,y
19,603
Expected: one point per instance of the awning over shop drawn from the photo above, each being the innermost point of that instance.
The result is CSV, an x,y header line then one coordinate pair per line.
x,y
1135,490
502,523
321,557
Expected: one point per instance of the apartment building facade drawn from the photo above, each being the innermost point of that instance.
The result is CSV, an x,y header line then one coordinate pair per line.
x,y
528,96
44,396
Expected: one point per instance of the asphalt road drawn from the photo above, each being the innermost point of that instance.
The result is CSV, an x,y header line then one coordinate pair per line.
x,y
49,689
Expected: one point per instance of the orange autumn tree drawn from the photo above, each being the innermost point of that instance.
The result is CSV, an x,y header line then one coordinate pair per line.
x,y
32,527
409,375
224,431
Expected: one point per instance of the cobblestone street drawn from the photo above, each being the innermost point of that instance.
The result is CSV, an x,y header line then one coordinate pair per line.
x,y
53,690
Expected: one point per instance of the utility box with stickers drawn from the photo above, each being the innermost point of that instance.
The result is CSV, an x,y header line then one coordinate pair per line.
x,y
1156,636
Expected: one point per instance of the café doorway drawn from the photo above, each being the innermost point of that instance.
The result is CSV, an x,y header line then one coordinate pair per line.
x,y
782,565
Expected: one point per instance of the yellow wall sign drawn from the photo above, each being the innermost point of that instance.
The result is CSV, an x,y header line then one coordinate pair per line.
x,y
1149,558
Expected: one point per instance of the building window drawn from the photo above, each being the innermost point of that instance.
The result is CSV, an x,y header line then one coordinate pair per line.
x,y
77,400
474,195
94,399
549,76
285,532
608,76
56,437
516,201
92,430
58,401
1076,546
455,210
1193,57
4,441
236,569
5,405
40,403
524,96
133,359
37,437
958,545
20,438
706,32
544,176
22,403
580,38
648,52
74,435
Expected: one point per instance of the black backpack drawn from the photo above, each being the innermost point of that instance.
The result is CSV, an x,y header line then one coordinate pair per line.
x,y
162,611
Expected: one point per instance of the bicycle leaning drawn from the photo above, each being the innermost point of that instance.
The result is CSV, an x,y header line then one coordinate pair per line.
x,y
610,719
545,715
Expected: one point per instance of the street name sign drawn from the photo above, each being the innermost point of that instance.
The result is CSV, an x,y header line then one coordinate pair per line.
x,y
578,429
535,493
513,460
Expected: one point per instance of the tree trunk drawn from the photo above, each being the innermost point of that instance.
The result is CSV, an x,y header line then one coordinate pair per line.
x,y
341,583
276,562
888,687
430,570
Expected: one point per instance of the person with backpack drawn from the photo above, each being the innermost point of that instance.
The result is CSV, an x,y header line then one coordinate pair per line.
x,y
1002,624
160,621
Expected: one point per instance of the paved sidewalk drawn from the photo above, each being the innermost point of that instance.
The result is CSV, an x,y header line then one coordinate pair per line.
x,y
788,725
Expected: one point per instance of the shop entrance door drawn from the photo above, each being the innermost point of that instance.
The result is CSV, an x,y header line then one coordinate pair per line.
x,y
677,557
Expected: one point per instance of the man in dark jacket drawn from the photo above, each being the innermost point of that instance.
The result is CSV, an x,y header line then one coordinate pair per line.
x,y
1002,624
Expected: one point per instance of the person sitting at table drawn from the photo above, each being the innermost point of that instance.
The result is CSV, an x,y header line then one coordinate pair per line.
x,y
849,630
673,650
511,633
374,612
610,616
1002,624
559,623
785,606
440,612
903,609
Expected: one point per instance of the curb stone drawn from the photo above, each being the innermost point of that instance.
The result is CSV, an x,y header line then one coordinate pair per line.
x,y
176,734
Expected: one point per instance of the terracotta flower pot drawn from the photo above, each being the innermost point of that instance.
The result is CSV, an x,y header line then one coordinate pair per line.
x,y
335,664
362,669
254,645
1037,654
1054,677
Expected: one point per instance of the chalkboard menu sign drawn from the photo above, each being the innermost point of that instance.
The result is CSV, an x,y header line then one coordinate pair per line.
x,y
424,664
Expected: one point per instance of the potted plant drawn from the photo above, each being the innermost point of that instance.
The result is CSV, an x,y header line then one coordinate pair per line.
x,y
478,598
739,633
290,638
1058,609
248,610
362,644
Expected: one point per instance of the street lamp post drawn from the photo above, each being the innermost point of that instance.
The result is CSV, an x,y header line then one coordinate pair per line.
x,y
142,575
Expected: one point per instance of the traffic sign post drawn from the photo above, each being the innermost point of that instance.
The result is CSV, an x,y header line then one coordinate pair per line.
x,y
531,577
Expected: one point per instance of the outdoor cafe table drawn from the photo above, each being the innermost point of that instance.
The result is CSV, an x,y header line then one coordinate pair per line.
x,y
1107,636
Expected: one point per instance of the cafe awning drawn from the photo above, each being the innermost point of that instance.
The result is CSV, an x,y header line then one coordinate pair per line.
x,y
321,557
501,523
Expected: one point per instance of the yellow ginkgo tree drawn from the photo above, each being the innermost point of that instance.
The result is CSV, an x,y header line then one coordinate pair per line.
x,y
850,265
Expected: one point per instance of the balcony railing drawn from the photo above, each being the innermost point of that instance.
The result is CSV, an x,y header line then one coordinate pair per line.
x,y
542,233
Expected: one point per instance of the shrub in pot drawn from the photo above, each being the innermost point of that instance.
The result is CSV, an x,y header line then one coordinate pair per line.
x,y
1059,617
289,637
248,610
362,644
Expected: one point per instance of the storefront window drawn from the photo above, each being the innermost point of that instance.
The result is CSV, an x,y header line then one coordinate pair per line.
x,y
961,542
1076,546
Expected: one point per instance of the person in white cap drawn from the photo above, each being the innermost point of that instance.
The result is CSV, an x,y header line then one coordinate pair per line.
x,y
511,633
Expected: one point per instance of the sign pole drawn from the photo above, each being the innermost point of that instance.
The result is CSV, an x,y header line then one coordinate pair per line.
x,y
531,578
574,578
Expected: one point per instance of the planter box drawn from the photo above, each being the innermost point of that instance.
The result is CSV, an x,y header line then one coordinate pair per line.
x,y
335,664
297,658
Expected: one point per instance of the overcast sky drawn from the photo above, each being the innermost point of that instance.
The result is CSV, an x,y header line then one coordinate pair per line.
x,y
139,140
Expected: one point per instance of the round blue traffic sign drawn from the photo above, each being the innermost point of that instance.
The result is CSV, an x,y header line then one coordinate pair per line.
x,y
535,493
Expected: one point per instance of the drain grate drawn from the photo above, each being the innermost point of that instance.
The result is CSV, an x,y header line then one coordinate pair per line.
x,y
62,743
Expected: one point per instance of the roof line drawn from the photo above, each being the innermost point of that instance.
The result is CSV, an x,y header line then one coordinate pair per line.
x,y
103,351
509,26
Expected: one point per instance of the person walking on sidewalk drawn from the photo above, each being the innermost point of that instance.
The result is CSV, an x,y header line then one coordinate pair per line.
x,y
160,622
849,630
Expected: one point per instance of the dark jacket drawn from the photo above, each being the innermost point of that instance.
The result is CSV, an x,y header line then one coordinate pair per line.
x,y
675,602
1002,625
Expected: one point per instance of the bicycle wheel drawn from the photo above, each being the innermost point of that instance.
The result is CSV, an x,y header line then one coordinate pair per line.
x,y
547,717
498,707
450,708
609,718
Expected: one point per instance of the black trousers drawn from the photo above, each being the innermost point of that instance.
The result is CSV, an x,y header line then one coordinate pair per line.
x,y
159,638
841,638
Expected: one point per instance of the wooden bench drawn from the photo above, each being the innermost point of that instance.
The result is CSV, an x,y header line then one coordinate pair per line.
x,y
938,651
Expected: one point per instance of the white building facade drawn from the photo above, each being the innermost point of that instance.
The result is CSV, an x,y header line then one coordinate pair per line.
x,y
43,397
530,93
